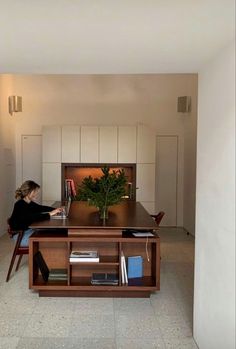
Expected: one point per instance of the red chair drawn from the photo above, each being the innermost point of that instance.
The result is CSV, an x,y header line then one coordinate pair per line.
x,y
158,217
18,250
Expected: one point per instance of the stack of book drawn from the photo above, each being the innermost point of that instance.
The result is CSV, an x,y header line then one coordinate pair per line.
x,y
70,190
84,256
57,274
104,279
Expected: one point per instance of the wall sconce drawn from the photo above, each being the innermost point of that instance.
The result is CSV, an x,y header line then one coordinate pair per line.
x,y
184,104
15,104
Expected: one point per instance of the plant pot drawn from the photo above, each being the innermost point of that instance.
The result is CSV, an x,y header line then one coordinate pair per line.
x,y
103,212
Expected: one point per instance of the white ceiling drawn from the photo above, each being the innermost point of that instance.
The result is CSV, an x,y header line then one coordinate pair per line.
x,y
112,36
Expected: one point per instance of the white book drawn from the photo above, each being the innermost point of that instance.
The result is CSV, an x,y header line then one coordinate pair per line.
x,y
142,234
124,270
83,260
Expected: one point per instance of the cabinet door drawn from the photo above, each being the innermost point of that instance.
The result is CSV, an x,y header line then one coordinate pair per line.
x,y
145,182
51,182
127,144
108,144
70,143
167,176
146,145
51,143
89,144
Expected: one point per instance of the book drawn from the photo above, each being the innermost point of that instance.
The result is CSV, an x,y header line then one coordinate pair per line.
x,y
57,273
142,234
84,260
40,262
70,187
135,267
124,278
139,232
84,256
104,279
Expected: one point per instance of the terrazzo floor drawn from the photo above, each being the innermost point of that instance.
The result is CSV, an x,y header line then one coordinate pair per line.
x,y
163,321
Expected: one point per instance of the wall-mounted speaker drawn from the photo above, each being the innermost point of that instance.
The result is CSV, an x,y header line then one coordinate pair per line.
x,y
184,104
15,104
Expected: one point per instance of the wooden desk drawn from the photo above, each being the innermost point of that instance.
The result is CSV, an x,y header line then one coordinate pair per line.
x,y
83,230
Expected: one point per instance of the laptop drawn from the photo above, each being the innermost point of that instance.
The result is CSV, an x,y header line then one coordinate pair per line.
x,y
65,213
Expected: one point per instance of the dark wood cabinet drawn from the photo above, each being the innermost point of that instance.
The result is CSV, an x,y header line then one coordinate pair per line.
x,y
109,241
56,251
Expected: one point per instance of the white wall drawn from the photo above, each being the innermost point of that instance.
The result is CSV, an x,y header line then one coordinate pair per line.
x,y
104,100
189,178
7,154
214,294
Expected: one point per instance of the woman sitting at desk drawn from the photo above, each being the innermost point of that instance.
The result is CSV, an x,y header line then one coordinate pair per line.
x,y
26,211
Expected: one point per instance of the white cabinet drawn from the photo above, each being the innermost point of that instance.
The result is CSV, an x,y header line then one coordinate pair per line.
x,y
51,143
70,143
167,178
89,144
145,182
108,144
51,181
146,145
127,144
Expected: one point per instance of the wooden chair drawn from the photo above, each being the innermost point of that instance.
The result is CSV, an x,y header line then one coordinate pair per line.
x,y
18,250
158,217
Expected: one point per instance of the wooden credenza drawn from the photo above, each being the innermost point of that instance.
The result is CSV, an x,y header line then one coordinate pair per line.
x,y
83,230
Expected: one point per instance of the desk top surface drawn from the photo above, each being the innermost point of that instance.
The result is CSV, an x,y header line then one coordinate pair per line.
x,y
128,214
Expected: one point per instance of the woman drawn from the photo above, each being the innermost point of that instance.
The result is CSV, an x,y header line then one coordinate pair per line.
x,y
26,211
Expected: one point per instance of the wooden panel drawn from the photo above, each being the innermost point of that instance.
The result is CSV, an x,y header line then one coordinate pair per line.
x,y
89,144
146,145
108,144
51,181
166,178
127,144
70,143
51,143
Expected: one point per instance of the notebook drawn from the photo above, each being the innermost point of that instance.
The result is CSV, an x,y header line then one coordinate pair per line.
x,y
65,213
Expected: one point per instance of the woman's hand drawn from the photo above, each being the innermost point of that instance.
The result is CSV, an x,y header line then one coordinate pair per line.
x,y
56,211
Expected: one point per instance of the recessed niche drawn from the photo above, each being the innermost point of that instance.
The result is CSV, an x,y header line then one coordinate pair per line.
x,y
78,171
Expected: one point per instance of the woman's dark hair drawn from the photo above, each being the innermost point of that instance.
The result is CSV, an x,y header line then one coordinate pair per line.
x,y
26,188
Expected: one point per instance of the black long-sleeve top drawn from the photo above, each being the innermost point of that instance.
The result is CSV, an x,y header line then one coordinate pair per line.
x,y
25,214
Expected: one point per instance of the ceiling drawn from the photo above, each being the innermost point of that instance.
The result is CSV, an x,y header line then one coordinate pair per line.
x,y
112,36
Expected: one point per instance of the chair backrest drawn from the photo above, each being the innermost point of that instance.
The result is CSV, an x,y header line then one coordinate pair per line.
x,y
158,217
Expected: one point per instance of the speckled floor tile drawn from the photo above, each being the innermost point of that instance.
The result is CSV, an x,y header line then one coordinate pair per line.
x,y
79,343
92,326
55,305
29,343
93,305
180,343
13,325
141,343
48,325
67,343
8,342
17,305
136,326
133,305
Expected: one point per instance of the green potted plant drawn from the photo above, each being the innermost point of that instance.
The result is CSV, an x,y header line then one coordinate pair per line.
x,y
105,191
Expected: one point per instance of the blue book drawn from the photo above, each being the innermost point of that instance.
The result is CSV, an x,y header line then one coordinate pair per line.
x,y
135,267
